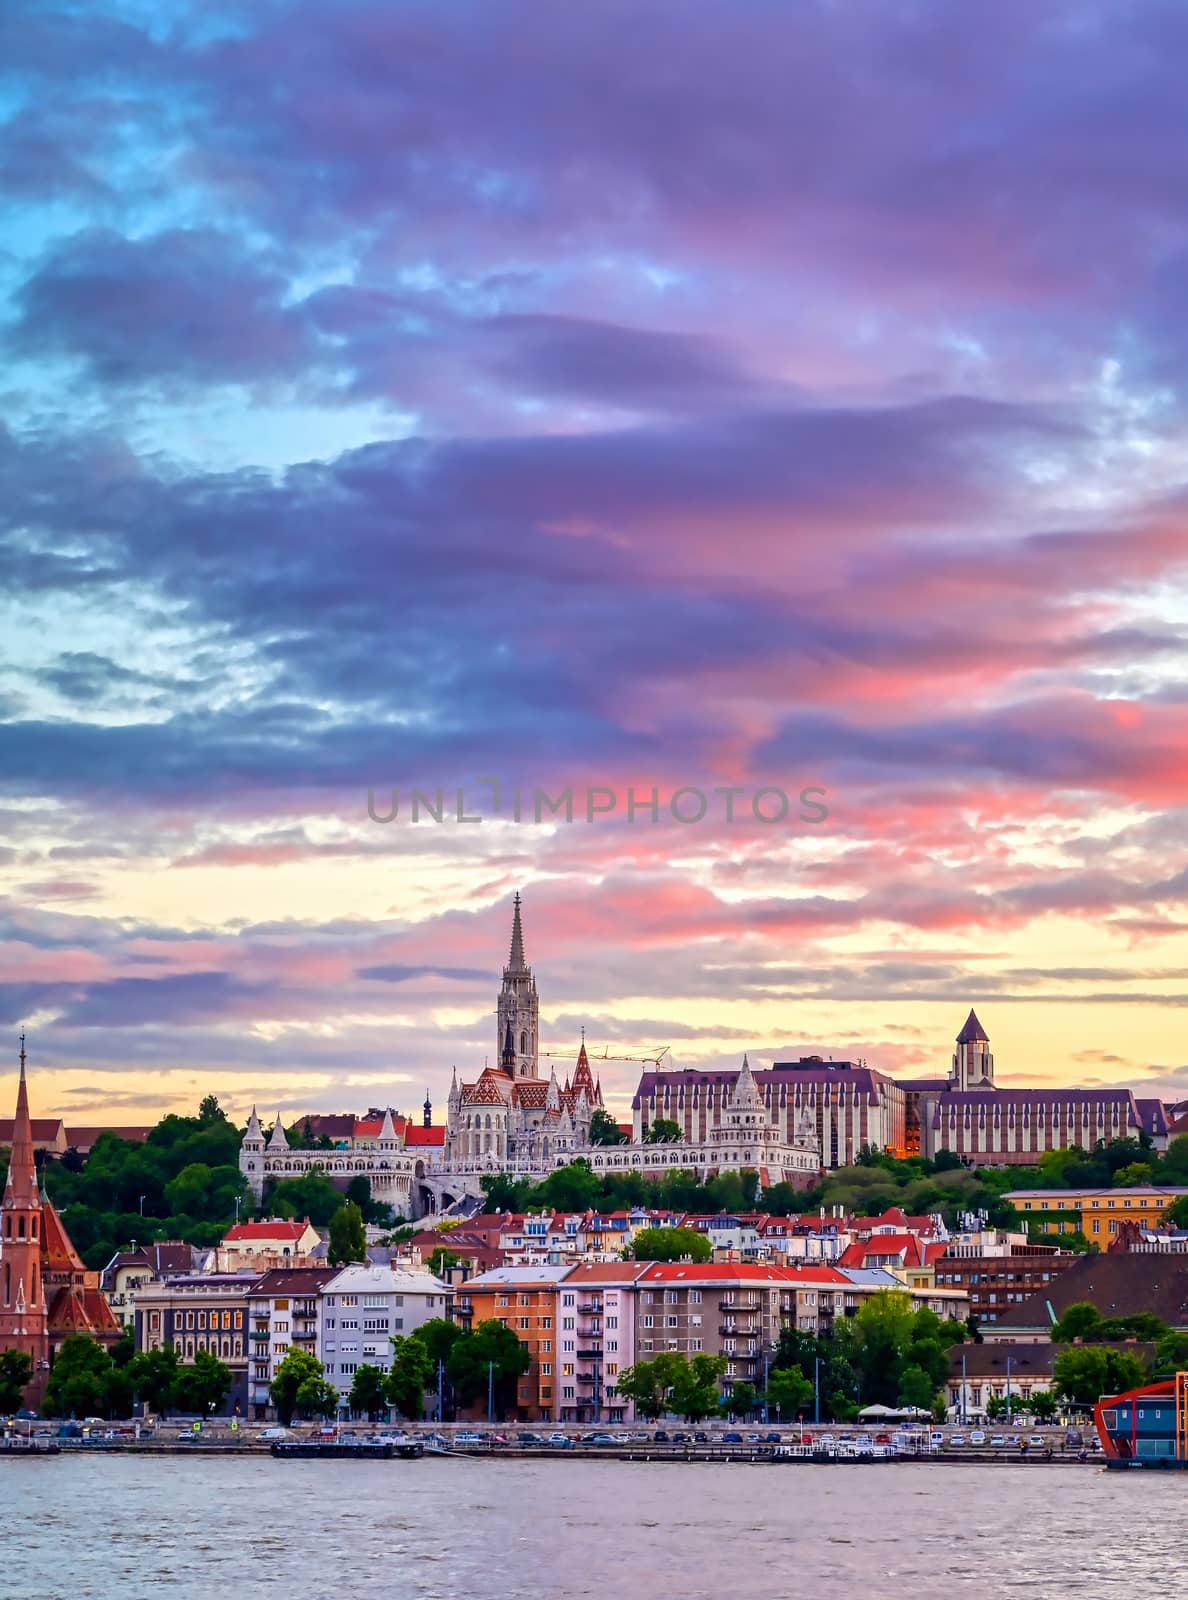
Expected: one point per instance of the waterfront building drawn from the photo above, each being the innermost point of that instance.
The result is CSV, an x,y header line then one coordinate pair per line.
x,y
979,1373
524,1299
203,1311
1097,1213
283,1310
46,1294
1119,1283
596,1333
362,1307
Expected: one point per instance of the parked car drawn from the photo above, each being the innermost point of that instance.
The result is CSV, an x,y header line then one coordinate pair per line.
x,y
997,1440
275,1433
956,1438
601,1440
977,1437
660,1437
937,1436
732,1438
561,1441
701,1437
467,1436
1037,1441
771,1438
530,1438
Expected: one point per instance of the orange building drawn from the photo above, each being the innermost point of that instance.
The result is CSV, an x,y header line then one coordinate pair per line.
x,y
525,1300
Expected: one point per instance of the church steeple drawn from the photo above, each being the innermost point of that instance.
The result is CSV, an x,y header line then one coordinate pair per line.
x,y
516,959
24,1320
21,1188
518,1008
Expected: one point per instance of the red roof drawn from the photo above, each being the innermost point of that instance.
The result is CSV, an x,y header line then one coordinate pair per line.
x,y
281,1229
739,1271
424,1136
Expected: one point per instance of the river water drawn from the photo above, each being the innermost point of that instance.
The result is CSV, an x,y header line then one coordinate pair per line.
x,y
126,1528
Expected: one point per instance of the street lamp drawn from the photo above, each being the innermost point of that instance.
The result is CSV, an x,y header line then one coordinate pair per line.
x,y
1008,1393
817,1390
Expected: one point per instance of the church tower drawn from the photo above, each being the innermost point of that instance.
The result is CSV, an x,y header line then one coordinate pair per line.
x,y
973,1065
24,1316
518,1009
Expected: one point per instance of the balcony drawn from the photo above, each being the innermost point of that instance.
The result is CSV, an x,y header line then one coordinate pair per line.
x,y
738,1303
306,1334
588,1307
258,1333
739,1330
593,1353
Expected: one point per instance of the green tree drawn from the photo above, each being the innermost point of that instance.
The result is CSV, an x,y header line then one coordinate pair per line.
x,y
916,1388
1177,1213
672,1244
411,1372
652,1384
573,1188
1084,1373
201,1386
76,1381
210,1111
153,1374
605,1130
1043,1405
694,1386
317,1397
16,1374
296,1369
441,1260
1130,1177
1081,1320
662,1130
348,1241
439,1336
189,1192
1175,1160
490,1352
788,1391
311,1195
742,1399
504,1193
367,1391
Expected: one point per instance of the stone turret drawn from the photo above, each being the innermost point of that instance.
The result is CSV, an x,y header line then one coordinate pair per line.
x,y
277,1140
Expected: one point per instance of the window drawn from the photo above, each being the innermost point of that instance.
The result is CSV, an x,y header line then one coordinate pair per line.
x,y
648,1321
671,1321
546,1369
524,1324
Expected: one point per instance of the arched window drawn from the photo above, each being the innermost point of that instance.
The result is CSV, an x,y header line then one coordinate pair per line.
x,y
523,1043
33,1227
20,1227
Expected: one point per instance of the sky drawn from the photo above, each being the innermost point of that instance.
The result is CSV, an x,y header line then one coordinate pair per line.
x,y
413,395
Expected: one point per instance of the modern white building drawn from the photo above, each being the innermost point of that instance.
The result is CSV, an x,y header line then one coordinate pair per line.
x,y
362,1307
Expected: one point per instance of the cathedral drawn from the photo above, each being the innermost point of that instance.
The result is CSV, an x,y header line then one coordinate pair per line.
x,y
44,1293
511,1115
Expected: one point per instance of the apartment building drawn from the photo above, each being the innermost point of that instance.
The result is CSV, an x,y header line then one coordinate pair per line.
x,y
282,1315
361,1308
525,1299
596,1331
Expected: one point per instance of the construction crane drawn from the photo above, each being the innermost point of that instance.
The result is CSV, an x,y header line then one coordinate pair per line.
x,y
605,1055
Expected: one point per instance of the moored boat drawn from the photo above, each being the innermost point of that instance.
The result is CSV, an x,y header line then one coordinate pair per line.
x,y
1147,1426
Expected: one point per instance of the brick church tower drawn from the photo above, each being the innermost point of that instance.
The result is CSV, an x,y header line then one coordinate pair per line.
x,y
24,1317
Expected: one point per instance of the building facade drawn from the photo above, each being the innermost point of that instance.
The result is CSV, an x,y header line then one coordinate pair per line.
x,y
205,1311
283,1310
362,1308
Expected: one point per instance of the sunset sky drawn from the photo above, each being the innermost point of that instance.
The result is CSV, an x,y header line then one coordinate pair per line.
x,y
669,394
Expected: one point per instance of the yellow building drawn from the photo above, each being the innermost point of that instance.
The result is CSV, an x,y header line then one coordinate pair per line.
x,y
1095,1212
